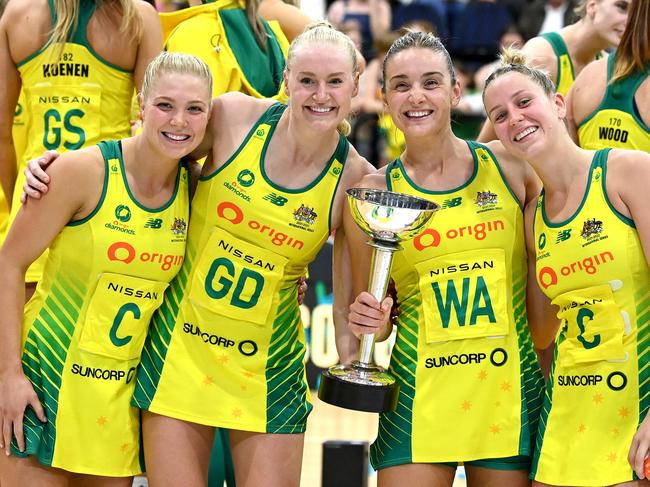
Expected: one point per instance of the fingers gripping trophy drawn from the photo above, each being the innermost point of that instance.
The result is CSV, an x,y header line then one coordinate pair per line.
x,y
388,218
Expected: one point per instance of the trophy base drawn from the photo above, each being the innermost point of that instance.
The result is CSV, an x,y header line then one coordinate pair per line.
x,y
361,387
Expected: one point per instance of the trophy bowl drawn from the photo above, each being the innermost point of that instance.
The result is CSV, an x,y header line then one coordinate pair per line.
x,y
388,218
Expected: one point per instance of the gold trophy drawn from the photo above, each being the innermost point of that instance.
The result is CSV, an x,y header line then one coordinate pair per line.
x,y
387,218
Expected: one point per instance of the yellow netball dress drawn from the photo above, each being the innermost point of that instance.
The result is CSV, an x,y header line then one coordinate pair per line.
x,y
19,134
84,328
220,34
73,101
227,346
616,122
593,268
470,385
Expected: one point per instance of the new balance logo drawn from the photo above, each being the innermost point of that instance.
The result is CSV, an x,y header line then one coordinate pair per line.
x,y
276,199
153,223
450,203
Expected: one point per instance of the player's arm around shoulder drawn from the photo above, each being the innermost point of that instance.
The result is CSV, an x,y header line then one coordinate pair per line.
x,y
231,117
586,94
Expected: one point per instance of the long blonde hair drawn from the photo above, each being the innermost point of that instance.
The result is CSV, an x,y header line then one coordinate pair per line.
x,y
255,22
67,19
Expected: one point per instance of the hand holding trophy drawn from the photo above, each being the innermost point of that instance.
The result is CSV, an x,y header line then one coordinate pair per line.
x,y
387,218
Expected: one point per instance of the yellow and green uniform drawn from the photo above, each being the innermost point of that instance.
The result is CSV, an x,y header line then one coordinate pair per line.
x,y
73,101
592,267
616,122
227,346
395,141
84,328
19,134
565,74
470,385
219,33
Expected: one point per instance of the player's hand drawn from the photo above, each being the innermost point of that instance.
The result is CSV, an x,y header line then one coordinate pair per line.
x,y
640,449
302,289
36,180
16,393
367,315
392,292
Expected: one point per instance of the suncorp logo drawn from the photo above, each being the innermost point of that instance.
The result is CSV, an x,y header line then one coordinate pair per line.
x,y
547,276
235,215
125,252
432,238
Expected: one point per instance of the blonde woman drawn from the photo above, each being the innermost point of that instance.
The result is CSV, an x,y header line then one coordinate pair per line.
x,y
589,238
116,242
227,347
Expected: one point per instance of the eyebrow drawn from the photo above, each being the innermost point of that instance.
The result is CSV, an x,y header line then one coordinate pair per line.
x,y
424,75
163,97
309,73
514,95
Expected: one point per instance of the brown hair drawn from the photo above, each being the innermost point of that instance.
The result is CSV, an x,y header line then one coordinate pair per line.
x,y
633,52
421,40
513,60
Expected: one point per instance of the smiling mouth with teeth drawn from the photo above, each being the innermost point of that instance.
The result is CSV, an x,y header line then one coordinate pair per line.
x,y
524,133
176,137
321,109
418,114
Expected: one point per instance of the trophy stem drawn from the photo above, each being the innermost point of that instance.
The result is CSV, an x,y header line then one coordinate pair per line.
x,y
382,260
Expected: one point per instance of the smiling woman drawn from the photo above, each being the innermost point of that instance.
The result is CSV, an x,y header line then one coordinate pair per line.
x,y
83,331
227,347
470,385
589,236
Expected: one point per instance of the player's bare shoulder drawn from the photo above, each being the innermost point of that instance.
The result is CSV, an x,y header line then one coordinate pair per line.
x,y
519,175
628,169
27,25
588,90
356,167
237,108
540,55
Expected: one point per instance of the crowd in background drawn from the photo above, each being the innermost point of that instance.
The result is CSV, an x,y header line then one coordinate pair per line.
x,y
474,32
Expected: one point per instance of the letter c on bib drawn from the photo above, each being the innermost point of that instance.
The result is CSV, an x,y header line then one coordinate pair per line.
x,y
121,341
